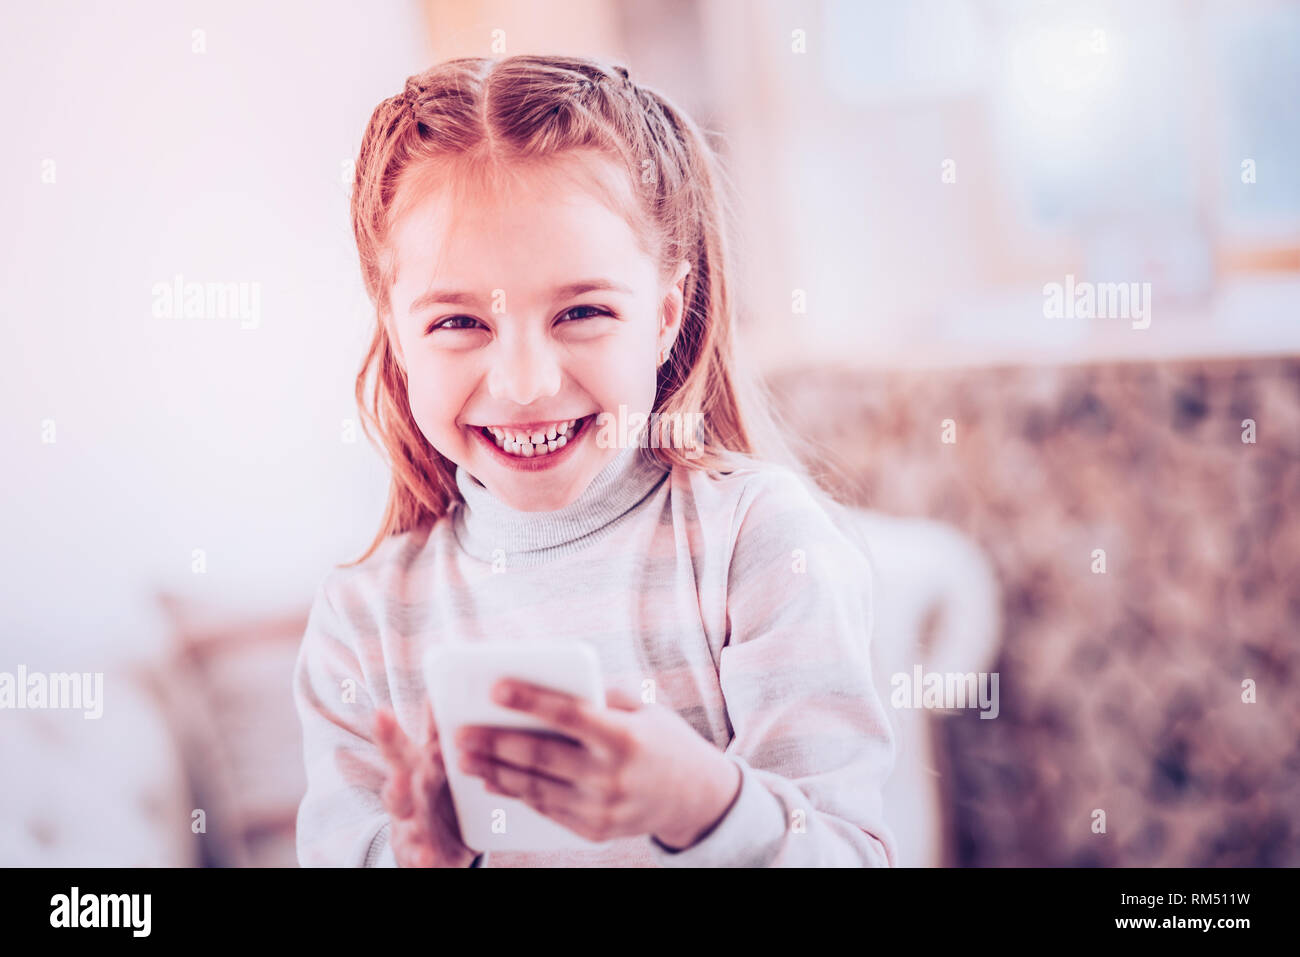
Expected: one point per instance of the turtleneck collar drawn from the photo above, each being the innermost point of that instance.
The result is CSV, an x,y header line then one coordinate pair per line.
x,y
483,523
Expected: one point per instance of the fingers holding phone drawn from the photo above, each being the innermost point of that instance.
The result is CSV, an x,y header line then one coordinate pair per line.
x,y
417,797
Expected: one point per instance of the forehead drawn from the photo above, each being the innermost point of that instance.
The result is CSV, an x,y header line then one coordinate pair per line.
x,y
524,232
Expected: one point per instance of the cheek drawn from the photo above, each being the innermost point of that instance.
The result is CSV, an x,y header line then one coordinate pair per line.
x,y
432,403
617,379
627,368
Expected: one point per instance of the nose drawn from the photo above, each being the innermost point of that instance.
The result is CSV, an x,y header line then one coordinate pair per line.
x,y
523,371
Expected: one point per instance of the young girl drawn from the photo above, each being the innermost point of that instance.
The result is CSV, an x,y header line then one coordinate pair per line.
x,y
544,243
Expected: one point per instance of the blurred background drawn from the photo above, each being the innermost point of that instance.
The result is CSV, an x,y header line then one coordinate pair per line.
x,y
909,178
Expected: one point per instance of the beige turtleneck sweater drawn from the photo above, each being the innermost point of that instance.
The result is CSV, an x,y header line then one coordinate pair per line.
x,y
733,592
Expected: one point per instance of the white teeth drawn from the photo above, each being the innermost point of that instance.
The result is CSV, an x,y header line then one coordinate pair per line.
x,y
526,445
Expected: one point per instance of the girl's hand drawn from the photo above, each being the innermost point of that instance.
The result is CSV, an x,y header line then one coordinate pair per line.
x,y
416,796
622,771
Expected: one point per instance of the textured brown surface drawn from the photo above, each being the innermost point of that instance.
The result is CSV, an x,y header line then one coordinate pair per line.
x,y
1120,691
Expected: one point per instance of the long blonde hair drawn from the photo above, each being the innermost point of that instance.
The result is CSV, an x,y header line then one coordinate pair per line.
x,y
468,115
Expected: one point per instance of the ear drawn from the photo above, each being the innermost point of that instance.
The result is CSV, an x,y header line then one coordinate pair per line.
x,y
674,306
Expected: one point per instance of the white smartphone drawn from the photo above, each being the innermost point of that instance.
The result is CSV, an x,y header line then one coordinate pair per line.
x,y
459,678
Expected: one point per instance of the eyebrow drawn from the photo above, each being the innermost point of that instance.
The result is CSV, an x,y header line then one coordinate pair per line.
x,y
459,298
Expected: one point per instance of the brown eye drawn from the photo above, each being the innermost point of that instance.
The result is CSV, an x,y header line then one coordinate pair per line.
x,y
598,310
447,323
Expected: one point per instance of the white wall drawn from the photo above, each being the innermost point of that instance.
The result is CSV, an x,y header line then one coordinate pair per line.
x,y
175,434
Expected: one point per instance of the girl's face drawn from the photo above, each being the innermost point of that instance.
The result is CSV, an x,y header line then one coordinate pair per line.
x,y
535,310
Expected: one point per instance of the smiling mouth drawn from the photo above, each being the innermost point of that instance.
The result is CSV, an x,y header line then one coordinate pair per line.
x,y
535,443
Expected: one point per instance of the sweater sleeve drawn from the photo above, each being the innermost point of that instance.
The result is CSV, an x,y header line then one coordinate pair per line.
x,y
810,735
341,818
